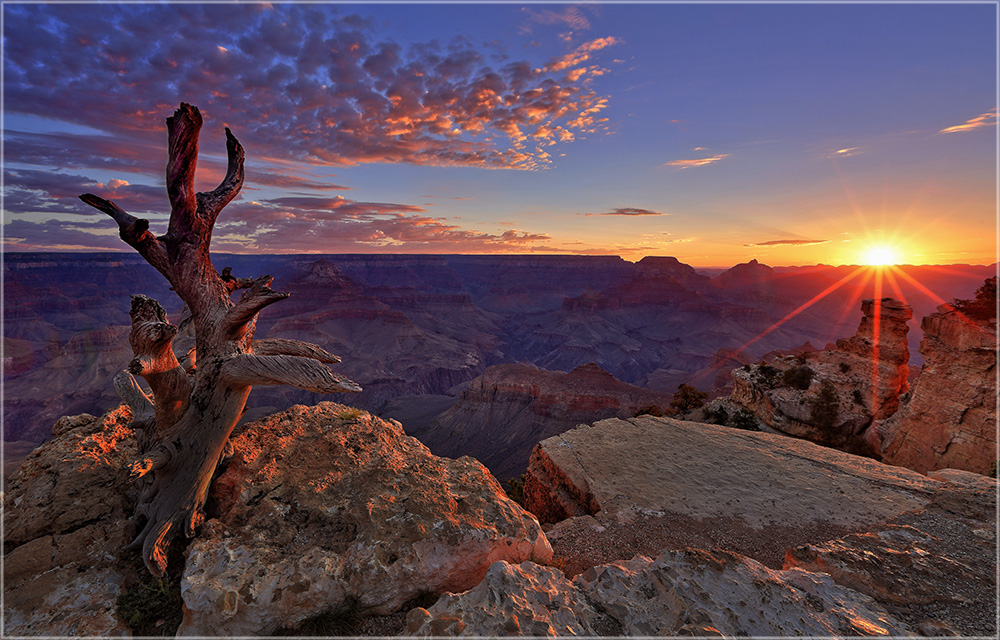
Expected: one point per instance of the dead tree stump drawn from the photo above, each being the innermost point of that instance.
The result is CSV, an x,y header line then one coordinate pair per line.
x,y
194,407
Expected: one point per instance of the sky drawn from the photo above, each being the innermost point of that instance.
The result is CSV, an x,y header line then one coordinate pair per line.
x,y
795,134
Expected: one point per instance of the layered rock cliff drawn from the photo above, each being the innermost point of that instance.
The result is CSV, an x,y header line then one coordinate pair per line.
x,y
835,395
503,414
950,418
318,507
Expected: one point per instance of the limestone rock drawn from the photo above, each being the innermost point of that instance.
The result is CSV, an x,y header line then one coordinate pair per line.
x,y
65,517
866,374
654,465
324,505
934,563
525,599
688,592
950,419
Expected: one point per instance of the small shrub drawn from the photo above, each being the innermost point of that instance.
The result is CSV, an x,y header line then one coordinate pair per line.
x,y
797,377
745,367
515,489
350,413
651,410
993,468
983,307
844,367
801,358
717,416
767,375
825,406
744,419
151,606
687,398
857,397
344,620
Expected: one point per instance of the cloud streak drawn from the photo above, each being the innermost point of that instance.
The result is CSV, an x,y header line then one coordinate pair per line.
x,y
773,243
988,119
629,211
697,162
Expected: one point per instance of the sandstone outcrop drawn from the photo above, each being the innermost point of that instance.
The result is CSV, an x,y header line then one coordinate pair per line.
x,y
317,507
680,593
65,519
950,419
500,416
834,396
341,506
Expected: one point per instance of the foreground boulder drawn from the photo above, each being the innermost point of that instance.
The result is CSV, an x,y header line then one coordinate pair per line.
x,y
328,505
64,523
318,508
680,593
950,419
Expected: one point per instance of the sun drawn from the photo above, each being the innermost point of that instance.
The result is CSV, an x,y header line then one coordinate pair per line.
x,y
880,255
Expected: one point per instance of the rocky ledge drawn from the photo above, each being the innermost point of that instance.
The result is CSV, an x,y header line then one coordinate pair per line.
x,y
318,508
922,548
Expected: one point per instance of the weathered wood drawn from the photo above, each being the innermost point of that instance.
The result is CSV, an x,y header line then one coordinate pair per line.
x,y
195,408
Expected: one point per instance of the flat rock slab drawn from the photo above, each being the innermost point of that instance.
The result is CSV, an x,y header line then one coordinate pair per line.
x,y
653,466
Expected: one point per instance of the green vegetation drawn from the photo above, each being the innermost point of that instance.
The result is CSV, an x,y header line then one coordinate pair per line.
x,y
350,413
687,398
344,620
151,606
825,406
515,489
744,419
799,377
993,469
767,375
651,410
717,416
983,307
858,398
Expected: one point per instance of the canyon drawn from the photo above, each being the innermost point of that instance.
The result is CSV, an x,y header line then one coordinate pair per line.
x,y
415,325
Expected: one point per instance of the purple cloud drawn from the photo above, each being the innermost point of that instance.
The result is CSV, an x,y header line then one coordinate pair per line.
x,y
629,211
294,82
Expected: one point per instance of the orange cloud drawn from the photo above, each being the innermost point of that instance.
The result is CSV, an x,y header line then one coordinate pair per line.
x,y
772,243
987,119
697,162
581,54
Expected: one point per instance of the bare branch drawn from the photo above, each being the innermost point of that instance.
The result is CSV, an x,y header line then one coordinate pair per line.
x,y
287,347
212,202
233,283
129,390
135,232
296,371
182,149
155,459
254,299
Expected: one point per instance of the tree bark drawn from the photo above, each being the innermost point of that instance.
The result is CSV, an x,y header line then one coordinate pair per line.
x,y
196,401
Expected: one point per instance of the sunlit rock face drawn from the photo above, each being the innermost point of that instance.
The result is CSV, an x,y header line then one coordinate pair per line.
x,y
327,505
691,592
655,465
66,518
865,375
950,419
503,414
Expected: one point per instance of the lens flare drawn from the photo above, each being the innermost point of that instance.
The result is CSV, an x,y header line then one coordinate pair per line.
x,y
881,255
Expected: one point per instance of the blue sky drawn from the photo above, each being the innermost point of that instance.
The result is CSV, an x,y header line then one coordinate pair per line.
x,y
717,133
